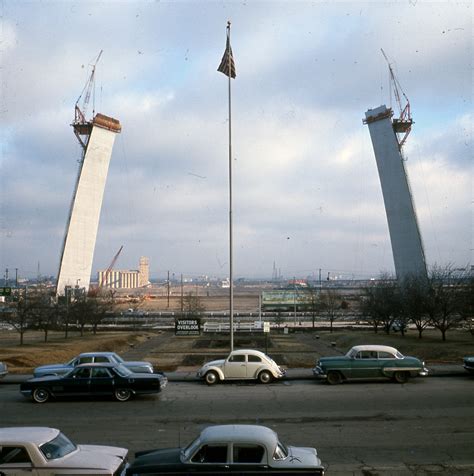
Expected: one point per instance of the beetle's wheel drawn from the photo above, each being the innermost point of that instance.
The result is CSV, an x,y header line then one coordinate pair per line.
x,y
211,377
265,376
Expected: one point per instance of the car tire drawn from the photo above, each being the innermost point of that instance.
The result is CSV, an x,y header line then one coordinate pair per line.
x,y
211,377
265,376
401,377
123,394
334,378
40,395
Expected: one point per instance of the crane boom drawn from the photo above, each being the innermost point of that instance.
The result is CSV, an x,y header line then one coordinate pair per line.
x,y
401,124
109,269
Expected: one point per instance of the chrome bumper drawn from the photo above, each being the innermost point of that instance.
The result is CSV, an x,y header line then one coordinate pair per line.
x,y
319,373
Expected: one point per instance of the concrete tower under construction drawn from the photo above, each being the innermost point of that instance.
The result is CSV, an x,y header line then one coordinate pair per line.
x,y
407,246
97,137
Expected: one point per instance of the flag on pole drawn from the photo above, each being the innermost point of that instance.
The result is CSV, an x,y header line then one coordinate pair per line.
x,y
227,65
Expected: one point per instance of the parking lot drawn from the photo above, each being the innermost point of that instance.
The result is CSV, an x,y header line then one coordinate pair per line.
x,y
357,428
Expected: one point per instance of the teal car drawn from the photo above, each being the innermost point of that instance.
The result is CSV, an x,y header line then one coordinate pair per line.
x,y
369,362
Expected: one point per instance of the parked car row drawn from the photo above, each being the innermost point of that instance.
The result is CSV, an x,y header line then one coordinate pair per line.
x,y
106,373
220,449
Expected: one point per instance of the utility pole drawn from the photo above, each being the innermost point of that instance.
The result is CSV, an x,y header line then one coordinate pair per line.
x,y
168,289
182,294
16,277
294,296
6,277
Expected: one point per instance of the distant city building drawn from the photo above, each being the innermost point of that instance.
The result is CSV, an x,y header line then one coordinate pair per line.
x,y
126,279
144,268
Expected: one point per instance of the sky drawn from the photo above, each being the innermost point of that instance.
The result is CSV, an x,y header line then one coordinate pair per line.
x,y
306,193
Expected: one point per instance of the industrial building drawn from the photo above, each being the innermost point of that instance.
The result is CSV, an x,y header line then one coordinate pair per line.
x,y
126,279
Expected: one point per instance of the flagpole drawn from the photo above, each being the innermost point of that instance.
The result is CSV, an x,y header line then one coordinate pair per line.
x,y
231,271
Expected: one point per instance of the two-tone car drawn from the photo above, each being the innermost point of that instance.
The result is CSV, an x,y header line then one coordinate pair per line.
x,y
369,362
230,449
242,364
48,452
93,380
91,358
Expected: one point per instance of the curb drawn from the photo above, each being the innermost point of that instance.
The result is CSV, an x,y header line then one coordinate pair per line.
x,y
291,374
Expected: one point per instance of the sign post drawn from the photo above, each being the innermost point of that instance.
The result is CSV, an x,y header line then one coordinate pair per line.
x,y
266,330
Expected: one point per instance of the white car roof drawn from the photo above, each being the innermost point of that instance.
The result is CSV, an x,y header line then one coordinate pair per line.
x,y
376,348
36,435
248,351
239,433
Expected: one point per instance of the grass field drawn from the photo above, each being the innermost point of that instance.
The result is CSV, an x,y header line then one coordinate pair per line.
x,y
168,352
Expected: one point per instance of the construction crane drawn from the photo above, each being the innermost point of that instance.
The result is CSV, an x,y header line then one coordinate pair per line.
x,y
401,124
82,126
103,281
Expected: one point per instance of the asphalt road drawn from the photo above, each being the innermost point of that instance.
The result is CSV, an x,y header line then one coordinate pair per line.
x,y
423,427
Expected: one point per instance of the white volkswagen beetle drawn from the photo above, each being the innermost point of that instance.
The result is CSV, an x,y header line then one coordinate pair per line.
x,y
46,451
241,364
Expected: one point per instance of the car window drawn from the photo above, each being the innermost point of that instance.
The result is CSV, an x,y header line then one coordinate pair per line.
x,y
83,373
58,447
100,373
211,454
84,360
366,354
101,359
280,452
14,454
247,454
117,358
386,355
254,358
237,358
122,371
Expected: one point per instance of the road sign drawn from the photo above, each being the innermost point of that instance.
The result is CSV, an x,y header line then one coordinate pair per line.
x,y
5,291
266,326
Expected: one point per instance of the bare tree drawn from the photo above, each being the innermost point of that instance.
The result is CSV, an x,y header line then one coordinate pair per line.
x,y
313,303
331,304
444,302
193,306
381,302
414,293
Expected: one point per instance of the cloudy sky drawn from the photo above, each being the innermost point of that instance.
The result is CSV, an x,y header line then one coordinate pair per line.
x,y
306,190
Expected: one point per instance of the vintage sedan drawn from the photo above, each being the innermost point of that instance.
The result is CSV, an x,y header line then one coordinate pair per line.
x,y
3,369
87,380
230,449
46,451
89,358
241,364
469,364
369,362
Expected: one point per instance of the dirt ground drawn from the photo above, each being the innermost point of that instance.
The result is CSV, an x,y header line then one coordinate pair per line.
x,y
168,352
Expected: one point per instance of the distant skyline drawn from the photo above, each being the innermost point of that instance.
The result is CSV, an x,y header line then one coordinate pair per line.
x,y
306,190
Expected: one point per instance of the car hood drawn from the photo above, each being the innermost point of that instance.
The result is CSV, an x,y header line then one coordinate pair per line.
x,y
301,456
94,457
138,363
163,456
335,358
214,363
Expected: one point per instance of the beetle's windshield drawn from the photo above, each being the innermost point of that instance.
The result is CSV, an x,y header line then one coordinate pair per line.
x,y
58,447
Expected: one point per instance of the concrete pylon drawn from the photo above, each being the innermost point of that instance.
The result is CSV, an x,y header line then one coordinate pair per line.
x,y
407,246
83,222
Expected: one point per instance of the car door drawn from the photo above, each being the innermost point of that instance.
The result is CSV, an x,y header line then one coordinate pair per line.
x,y
15,461
254,362
387,361
248,459
77,382
365,365
235,367
210,459
102,382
